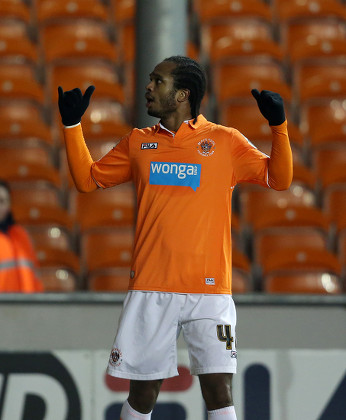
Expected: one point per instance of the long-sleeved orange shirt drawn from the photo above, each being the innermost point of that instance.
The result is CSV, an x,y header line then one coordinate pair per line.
x,y
184,183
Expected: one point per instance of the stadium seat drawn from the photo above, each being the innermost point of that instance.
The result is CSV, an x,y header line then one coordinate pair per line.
x,y
51,237
15,43
330,164
28,164
23,121
255,201
58,280
50,10
100,74
297,9
18,81
232,80
303,283
123,11
106,248
334,204
111,207
326,80
15,9
314,39
22,195
241,282
221,10
241,39
40,215
296,249
247,118
111,280
325,122
104,120
80,39
291,216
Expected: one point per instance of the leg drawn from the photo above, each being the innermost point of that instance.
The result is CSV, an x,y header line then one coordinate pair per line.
x,y
217,390
143,395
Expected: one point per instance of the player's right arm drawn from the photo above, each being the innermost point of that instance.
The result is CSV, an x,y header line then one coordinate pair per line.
x,y
112,169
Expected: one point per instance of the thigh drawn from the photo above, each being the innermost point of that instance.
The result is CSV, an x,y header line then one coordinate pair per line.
x,y
209,331
145,344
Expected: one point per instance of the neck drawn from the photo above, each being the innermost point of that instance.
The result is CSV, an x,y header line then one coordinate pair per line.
x,y
173,122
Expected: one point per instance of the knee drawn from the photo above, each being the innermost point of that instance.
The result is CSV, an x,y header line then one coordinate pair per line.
x,y
143,395
217,393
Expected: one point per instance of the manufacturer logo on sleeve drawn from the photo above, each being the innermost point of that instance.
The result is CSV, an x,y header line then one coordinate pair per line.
x,y
145,146
178,174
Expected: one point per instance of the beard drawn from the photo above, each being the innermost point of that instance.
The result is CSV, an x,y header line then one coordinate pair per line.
x,y
167,106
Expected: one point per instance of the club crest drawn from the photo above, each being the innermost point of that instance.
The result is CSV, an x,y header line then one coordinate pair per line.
x,y
206,147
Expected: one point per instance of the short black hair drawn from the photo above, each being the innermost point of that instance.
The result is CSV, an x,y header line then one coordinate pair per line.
x,y
5,185
188,74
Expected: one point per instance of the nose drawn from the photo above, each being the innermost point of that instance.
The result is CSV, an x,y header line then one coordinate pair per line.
x,y
149,86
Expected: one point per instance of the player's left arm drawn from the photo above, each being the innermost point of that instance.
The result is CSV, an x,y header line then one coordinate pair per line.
x,y
280,165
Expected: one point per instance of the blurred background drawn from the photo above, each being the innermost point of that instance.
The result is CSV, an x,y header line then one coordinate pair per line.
x,y
288,244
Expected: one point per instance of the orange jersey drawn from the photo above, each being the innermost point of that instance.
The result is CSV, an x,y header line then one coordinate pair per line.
x,y
184,184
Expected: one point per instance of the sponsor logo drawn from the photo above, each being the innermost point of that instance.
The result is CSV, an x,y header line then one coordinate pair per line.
x,y
210,281
178,174
145,146
206,147
115,357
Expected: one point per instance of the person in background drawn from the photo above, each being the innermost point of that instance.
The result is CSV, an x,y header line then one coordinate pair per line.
x,y
18,262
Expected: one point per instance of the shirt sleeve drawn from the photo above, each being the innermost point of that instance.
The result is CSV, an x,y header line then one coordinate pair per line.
x,y
249,163
114,168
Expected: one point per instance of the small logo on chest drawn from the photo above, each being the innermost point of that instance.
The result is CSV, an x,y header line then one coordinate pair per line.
x,y
206,147
145,146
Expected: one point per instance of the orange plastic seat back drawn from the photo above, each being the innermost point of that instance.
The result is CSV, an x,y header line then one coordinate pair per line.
x,y
114,280
303,283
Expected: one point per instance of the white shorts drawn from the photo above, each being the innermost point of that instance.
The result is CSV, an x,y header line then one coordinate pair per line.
x,y
145,346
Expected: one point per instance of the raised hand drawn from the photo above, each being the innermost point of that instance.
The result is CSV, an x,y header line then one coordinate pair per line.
x,y
73,104
271,106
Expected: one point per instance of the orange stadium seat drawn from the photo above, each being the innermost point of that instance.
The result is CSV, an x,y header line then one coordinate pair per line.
x,y
303,283
104,120
15,44
256,201
326,80
111,207
297,9
23,121
123,11
232,80
291,216
314,39
76,40
325,122
209,11
106,248
15,9
247,118
334,204
48,10
22,195
28,164
330,165
51,237
18,81
295,249
241,39
58,279
111,280
100,74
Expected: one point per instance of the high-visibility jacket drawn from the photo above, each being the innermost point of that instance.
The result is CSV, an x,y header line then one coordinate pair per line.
x,y
17,262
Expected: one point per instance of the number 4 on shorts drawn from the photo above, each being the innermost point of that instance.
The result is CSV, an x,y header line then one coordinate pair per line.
x,y
224,335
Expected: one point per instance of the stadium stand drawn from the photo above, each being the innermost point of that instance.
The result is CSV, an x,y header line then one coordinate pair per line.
x,y
284,242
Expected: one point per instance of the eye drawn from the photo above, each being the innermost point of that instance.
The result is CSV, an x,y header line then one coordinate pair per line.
x,y
158,81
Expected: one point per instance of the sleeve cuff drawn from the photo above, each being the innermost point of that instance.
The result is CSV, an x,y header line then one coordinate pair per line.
x,y
71,126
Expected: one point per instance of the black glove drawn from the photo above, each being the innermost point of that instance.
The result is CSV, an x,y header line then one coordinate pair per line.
x,y
72,104
271,106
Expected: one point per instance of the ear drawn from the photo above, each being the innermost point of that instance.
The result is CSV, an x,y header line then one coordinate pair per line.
x,y
183,95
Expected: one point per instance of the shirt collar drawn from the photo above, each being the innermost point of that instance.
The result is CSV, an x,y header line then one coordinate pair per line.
x,y
201,120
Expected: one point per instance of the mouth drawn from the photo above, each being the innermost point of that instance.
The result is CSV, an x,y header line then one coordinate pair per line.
x,y
149,99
